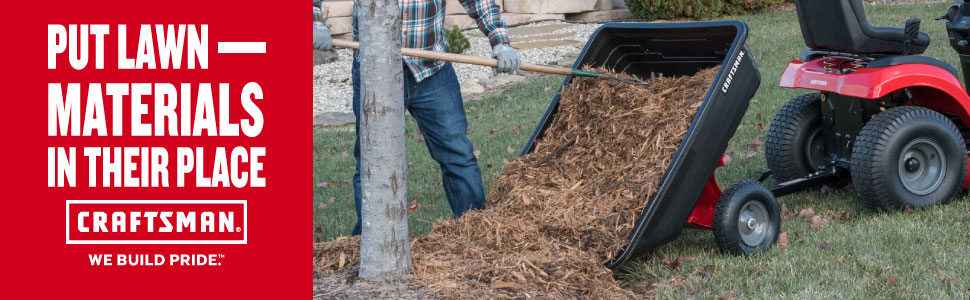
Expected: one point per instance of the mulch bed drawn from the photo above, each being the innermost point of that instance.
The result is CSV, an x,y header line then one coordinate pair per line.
x,y
557,215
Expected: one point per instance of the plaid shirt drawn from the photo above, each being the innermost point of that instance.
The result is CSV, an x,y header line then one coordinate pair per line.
x,y
423,28
317,11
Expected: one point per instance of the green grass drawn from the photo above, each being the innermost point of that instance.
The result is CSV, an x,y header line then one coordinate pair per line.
x,y
922,254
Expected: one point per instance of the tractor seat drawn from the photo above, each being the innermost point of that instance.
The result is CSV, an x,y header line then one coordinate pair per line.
x,y
841,25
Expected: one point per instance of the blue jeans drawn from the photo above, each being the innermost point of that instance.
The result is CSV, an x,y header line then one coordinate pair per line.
x,y
436,104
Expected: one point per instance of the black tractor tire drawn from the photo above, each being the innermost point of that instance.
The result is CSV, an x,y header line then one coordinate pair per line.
x,y
908,156
794,146
734,233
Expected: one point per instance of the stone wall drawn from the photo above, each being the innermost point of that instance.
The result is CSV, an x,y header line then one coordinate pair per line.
x,y
522,11
338,12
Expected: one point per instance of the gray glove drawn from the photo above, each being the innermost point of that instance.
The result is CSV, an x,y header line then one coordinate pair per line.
x,y
321,37
508,59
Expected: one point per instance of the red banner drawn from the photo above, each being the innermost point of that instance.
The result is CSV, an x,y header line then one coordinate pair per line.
x,y
163,150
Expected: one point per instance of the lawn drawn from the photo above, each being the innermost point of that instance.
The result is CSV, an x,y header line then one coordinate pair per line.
x,y
850,253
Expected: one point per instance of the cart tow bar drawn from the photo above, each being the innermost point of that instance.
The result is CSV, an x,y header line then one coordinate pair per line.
x,y
818,179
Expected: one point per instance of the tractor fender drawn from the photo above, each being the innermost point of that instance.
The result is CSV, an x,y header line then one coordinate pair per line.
x,y
932,87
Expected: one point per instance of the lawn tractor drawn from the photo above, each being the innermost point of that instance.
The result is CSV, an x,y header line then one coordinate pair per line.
x,y
884,118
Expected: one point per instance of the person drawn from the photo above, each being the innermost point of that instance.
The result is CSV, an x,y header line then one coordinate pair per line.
x,y
321,34
433,96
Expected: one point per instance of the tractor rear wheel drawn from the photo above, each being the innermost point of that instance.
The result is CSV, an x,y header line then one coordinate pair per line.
x,y
908,156
747,219
794,146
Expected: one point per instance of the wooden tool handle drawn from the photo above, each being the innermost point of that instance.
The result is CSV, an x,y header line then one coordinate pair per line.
x,y
465,59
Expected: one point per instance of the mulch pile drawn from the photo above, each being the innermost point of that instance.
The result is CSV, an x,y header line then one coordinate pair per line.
x,y
556,215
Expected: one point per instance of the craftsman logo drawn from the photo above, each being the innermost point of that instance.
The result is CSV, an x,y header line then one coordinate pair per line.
x,y
156,222
819,82
734,69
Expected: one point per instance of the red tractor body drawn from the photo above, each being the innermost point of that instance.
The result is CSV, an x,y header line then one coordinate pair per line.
x,y
927,85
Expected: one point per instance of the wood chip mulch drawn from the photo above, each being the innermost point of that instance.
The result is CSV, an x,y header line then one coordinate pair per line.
x,y
555,216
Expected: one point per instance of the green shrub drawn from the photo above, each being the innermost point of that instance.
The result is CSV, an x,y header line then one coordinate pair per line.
x,y
457,40
695,9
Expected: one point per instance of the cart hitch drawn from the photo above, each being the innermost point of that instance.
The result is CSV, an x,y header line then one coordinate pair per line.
x,y
823,177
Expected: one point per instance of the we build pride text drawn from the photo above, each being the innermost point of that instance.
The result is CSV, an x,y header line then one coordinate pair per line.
x,y
132,124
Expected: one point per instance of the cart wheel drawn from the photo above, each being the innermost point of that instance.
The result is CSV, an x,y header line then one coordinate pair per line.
x,y
908,156
794,146
747,219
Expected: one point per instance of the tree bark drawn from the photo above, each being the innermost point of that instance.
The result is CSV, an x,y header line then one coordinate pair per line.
x,y
384,249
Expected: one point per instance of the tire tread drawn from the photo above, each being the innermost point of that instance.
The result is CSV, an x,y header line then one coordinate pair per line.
x,y
781,136
726,234
869,153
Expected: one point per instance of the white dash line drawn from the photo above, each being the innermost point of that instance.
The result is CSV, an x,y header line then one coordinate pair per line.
x,y
242,47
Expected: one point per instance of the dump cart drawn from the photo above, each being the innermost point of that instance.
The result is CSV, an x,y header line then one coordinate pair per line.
x,y
746,217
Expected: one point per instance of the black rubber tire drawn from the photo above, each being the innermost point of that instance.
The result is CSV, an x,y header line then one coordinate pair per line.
x,y
792,127
877,150
727,235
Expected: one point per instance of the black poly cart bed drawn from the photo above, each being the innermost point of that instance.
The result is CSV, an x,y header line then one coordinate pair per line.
x,y
675,49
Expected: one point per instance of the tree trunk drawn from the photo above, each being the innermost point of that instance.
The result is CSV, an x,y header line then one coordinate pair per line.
x,y
384,249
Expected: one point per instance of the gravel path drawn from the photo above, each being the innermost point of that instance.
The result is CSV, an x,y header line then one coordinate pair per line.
x,y
332,87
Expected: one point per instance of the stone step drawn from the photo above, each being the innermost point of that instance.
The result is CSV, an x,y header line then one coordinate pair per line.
x,y
469,87
549,6
343,36
543,37
517,18
453,7
534,30
322,57
604,5
332,9
331,119
340,25
462,21
601,16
